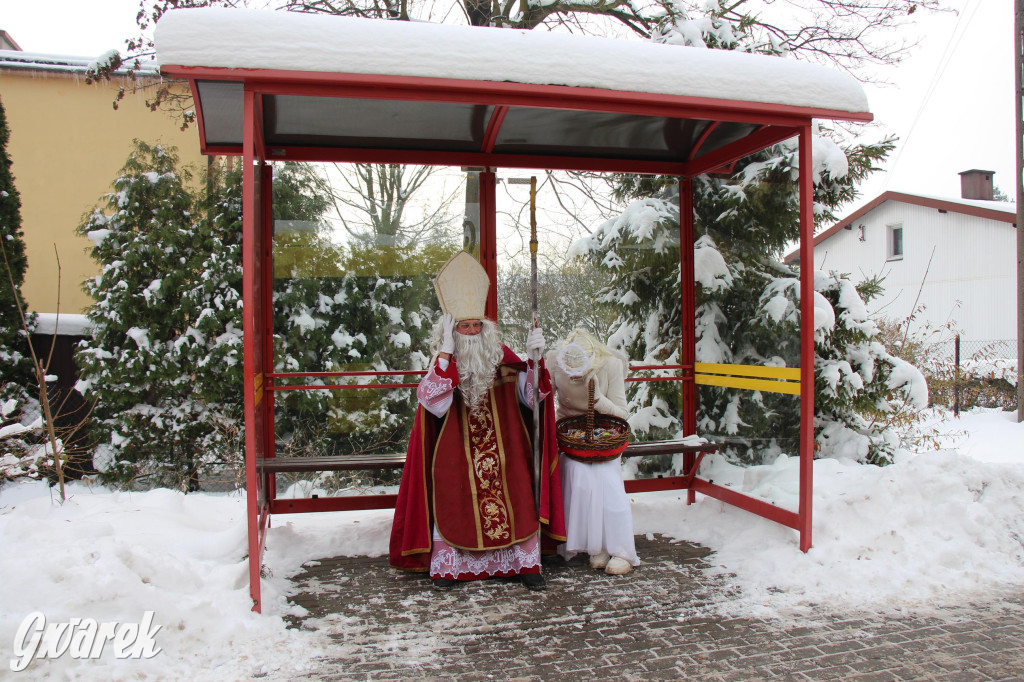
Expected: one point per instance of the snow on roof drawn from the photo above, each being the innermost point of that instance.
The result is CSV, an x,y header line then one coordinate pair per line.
x,y
39,61
64,324
253,39
1006,206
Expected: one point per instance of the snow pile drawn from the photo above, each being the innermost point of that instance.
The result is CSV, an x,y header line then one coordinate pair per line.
x,y
63,324
112,556
992,368
940,528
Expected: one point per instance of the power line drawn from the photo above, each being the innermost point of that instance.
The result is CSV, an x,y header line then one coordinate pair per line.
x,y
940,70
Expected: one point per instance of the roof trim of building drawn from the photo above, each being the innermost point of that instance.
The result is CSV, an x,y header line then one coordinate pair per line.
x,y
5,37
38,61
946,205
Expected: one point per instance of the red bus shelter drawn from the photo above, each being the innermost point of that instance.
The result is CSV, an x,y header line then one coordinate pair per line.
x,y
272,86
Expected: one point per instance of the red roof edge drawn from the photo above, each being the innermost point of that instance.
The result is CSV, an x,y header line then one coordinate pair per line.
x,y
928,202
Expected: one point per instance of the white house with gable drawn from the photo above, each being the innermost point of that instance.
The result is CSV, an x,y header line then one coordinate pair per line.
x,y
955,257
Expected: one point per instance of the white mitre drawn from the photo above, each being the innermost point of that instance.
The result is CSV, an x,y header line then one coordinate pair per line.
x,y
461,287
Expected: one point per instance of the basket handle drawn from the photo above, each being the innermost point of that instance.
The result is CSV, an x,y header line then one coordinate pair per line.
x,y
589,434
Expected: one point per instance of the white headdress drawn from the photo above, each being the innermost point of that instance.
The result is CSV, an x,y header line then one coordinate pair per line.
x,y
582,352
461,287
574,360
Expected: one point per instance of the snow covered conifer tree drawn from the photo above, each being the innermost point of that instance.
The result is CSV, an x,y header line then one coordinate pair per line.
x,y
17,376
164,357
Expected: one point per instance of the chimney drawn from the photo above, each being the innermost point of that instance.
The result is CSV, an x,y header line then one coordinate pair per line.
x,y
977,184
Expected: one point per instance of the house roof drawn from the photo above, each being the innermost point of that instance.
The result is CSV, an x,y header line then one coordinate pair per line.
x,y
340,88
38,61
7,42
992,210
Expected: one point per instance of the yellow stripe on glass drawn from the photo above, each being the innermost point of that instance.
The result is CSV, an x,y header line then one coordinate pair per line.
x,y
749,377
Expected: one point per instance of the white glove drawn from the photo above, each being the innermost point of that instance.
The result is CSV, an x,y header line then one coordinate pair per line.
x,y
535,344
603,404
448,334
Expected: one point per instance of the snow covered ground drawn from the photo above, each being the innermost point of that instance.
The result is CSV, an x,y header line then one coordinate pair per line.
x,y
938,527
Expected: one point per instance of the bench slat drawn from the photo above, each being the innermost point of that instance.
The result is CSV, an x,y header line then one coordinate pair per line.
x,y
666,447
340,463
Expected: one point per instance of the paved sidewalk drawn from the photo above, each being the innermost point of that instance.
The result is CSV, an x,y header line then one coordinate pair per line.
x,y
654,624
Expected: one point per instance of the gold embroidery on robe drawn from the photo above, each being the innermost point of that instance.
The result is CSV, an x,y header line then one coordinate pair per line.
x,y
487,469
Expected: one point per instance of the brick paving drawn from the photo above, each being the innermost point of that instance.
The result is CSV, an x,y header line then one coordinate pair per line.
x,y
658,623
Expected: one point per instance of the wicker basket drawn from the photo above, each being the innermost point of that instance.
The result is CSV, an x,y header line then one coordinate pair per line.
x,y
588,448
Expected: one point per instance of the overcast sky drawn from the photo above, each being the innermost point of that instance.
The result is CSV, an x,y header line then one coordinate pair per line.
x,y
951,107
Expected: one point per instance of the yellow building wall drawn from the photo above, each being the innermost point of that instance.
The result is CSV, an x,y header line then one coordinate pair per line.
x,y
67,145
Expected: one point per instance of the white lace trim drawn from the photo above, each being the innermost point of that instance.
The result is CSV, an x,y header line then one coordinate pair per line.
x,y
526,388
433,388
449,562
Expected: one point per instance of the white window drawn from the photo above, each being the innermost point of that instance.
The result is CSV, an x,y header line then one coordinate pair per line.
x,y
895,242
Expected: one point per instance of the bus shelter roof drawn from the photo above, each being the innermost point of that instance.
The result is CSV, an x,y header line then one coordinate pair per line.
x,y
334,88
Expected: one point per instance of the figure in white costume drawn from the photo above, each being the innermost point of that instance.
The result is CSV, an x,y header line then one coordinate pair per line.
x,y
598,518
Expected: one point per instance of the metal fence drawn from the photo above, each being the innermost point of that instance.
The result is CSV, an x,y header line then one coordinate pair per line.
x,y
968,373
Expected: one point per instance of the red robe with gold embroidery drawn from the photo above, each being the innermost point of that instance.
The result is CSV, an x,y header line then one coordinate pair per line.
x,y
472,474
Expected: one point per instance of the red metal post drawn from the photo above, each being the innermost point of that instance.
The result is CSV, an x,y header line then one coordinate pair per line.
x,y
489,239
493,128
266,269
249,322
806,337
753,505
687,293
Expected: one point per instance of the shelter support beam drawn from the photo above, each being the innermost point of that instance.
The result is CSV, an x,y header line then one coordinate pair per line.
x,y
498,93
806,336
747,503
250,199
730,153
488,238
1018,70
265,270
475,158
687,311
493,128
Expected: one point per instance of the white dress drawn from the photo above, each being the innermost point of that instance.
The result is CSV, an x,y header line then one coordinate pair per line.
x,y
598,518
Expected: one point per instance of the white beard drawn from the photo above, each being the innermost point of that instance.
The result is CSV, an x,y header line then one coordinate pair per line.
x,y
478,357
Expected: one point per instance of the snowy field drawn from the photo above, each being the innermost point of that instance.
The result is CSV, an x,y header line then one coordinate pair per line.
x,y
939,527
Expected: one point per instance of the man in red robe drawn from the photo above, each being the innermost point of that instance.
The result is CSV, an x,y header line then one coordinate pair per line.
x,y
466,508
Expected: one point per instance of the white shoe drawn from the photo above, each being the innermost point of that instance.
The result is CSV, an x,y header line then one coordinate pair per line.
x,y
599,561
618,566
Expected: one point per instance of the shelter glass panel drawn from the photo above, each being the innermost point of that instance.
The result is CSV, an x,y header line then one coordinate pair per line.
x,y
758,432
532,130
614,273
377,124
222,104
355,250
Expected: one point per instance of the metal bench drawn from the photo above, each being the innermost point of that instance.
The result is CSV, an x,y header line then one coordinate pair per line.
x,y
355,462
397,460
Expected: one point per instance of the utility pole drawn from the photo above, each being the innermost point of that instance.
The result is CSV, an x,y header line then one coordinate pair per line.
x,y
1018,74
